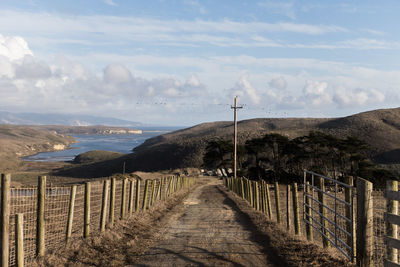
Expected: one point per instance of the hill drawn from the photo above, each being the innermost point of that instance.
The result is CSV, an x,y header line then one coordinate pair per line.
x,y
95,129
185,148
61,119
20,141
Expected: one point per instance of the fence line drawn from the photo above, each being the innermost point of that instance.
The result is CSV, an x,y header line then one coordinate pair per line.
x,y
66,213
370,222
392,220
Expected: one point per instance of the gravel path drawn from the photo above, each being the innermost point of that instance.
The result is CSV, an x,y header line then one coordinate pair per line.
x,y
209,232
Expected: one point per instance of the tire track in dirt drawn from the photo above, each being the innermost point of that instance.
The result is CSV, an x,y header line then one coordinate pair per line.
x,y
209,232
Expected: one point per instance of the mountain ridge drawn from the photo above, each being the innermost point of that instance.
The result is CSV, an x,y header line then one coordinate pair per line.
x,y
380,129
62,119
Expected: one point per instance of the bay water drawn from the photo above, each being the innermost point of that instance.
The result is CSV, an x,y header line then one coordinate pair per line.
x,y
123,143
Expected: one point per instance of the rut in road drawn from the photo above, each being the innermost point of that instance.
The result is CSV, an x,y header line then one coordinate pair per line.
x,y
210,231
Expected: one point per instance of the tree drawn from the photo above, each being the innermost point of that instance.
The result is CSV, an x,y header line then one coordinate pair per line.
x,y
219,153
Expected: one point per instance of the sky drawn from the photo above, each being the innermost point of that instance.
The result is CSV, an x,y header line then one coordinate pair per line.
x,y
181,62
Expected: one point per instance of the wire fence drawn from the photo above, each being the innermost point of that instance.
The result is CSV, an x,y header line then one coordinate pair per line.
x,y
58,206
287,211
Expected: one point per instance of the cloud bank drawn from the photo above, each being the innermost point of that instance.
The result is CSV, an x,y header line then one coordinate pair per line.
x,y
63,85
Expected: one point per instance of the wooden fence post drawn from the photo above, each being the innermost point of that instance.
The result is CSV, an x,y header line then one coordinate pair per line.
x,y
350,227
251,193
296,209
71,209
158,196
112,202
242,188
123,198
268,198
262,196
323,211
86,221
131,199
277,203
19,239
257,189
146,190
137,203
5,218
246,192
288,207
309,229
391,229
41,227
104,202
153,189
365,234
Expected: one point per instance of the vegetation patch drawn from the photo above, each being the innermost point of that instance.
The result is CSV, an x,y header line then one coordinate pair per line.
x,y
96,156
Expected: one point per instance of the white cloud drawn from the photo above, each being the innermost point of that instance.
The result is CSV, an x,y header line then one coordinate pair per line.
x,y
45,28
6,68
344,97
13,47
116,73
245,90
193,81
126,88
278,83
31,68
315,88
67,86
315,93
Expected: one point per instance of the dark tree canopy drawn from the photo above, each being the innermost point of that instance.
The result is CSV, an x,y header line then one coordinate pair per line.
x,y
276,157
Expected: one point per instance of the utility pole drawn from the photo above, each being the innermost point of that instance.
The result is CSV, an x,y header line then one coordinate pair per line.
x,y
235,108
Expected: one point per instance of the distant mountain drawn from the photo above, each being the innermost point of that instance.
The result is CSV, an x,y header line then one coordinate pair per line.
x,y
62,119
380,129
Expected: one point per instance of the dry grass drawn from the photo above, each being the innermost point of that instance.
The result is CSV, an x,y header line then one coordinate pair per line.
x,y
116,245
294,249
19,141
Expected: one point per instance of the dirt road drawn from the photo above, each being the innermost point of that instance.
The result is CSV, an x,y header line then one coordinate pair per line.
x,y
210,232
207,226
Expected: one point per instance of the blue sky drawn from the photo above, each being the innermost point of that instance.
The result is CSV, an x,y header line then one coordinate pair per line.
x,y
181,62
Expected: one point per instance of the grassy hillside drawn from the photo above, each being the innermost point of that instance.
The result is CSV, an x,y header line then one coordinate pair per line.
x,y
20,141
185,148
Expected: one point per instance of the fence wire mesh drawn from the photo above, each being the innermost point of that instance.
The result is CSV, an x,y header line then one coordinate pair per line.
x,y
379,227
23,200
57,205
337,207
95,205
56,215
